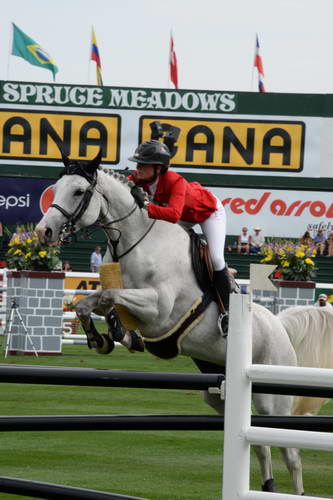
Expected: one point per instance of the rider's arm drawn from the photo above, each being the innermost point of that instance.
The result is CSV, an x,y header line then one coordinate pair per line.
x,y
176,202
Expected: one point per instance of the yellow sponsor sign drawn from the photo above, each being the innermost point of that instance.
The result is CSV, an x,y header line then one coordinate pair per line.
x,y
34,135
80,283
234,144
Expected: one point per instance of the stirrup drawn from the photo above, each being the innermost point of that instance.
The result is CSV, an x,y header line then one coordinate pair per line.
x,y
223,323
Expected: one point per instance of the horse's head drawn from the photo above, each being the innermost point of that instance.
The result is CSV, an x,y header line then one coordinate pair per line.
x,y
76,202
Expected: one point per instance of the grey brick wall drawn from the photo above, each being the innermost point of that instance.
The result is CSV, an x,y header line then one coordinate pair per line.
x,y
41,308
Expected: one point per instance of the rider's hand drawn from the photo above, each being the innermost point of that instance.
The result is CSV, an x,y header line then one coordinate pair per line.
x,y
139,196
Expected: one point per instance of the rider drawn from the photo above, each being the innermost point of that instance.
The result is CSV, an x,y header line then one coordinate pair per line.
x,y
176,200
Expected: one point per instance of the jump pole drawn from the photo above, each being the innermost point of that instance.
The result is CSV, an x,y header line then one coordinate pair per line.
x,y
237,419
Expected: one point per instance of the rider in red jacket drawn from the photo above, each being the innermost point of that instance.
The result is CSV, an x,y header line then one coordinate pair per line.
x,y
174,199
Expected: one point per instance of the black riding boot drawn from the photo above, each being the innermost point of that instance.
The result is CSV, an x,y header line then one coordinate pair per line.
x,y
222,284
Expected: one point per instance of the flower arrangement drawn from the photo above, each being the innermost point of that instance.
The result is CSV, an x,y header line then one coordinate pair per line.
x,y
26,252
293,260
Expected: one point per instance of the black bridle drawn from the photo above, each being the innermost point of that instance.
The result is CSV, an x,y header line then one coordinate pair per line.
x,y
69,228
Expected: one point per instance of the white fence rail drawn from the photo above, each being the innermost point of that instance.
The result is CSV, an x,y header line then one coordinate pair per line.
x,y
239,434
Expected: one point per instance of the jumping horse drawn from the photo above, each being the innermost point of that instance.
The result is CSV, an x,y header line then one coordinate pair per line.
x,y
160,288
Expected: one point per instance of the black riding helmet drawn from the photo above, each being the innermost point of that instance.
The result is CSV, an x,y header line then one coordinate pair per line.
x,y
152,152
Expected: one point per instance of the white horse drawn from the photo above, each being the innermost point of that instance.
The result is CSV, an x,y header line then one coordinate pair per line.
x,y
160,286
310,330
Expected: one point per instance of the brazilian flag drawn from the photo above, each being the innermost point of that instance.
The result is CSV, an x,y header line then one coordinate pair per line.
x,y
31,51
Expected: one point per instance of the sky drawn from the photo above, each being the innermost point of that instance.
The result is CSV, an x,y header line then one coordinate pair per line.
x,y
214,42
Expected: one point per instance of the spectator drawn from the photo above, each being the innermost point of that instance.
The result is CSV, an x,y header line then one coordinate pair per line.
x,y
66,267
257,240
95,260
322,301
329,245
244,241
319,241
306,239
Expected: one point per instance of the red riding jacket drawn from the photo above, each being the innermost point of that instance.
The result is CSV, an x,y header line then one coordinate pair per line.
x,y
180,200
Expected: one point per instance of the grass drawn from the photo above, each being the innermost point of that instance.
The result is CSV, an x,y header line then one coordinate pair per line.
x,y
157,465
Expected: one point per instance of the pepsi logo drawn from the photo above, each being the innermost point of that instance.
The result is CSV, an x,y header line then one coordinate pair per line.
x,y
46,199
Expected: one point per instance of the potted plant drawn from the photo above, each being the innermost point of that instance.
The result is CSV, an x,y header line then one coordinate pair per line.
x,y
295,272
27,253
294,261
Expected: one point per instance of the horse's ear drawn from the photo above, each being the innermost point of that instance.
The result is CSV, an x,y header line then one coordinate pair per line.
x,y
65,158
94,164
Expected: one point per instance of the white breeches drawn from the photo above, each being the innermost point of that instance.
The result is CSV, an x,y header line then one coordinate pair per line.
x,y
214,229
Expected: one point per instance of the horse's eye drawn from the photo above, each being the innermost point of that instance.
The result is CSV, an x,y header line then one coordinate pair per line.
x,y
78,192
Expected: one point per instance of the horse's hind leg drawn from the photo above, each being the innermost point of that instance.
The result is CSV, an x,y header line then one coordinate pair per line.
x,y
265,462
292,458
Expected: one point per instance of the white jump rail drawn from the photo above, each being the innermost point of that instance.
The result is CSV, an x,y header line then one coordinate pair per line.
x,y
238,432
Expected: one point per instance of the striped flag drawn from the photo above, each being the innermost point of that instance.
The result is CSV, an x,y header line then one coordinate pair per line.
x,y
95,57
258,64
173,64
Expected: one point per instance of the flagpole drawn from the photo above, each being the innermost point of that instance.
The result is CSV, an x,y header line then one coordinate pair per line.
x,y
168,65
253,66
9,52
89,56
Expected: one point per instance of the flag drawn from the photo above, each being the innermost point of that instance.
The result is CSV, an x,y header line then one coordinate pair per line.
x,y
95,57
31,51
173,64
258,64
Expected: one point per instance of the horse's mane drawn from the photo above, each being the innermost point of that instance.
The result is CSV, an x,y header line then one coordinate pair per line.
x,y
308,328
118,176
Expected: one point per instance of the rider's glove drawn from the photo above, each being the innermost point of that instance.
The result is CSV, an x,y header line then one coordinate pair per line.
x,y
139,196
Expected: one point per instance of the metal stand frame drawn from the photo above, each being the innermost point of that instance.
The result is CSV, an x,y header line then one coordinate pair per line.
x,y
15,309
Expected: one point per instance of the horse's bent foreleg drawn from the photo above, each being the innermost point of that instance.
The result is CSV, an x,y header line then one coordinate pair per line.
x,y
292,459
128,338
142,303
102,343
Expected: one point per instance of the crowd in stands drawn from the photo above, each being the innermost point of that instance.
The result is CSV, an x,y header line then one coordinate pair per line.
x,y
250,244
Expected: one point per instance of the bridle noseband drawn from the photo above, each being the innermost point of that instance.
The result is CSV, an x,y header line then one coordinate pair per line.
x,y
68,228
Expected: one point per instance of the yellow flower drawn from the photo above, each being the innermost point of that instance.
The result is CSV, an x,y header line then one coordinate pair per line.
x,y
267,259
281,252
309,261
42,254
28,254
285,263
299,253
18,252
28,240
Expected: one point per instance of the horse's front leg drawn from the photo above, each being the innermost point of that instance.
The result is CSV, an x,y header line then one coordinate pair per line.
x,y
141,303
102,343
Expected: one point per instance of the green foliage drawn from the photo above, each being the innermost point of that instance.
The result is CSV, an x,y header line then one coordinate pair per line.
x,y
26,252
293,260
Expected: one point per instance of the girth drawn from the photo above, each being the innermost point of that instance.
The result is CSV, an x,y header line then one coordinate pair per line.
x,y
168,346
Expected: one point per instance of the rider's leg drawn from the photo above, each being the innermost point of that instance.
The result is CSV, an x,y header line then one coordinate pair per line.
x,y
214,229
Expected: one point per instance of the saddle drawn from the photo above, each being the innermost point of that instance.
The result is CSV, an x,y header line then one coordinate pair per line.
x,y
203,269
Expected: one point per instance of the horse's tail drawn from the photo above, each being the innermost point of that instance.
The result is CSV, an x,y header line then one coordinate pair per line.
x,y
310,330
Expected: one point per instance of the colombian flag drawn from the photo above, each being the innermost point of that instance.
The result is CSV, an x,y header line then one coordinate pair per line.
x,y
31,51
95,57
173,64
258,64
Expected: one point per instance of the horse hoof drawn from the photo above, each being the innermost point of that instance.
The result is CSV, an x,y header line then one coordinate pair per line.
x,y
107,347
136,342
269,485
